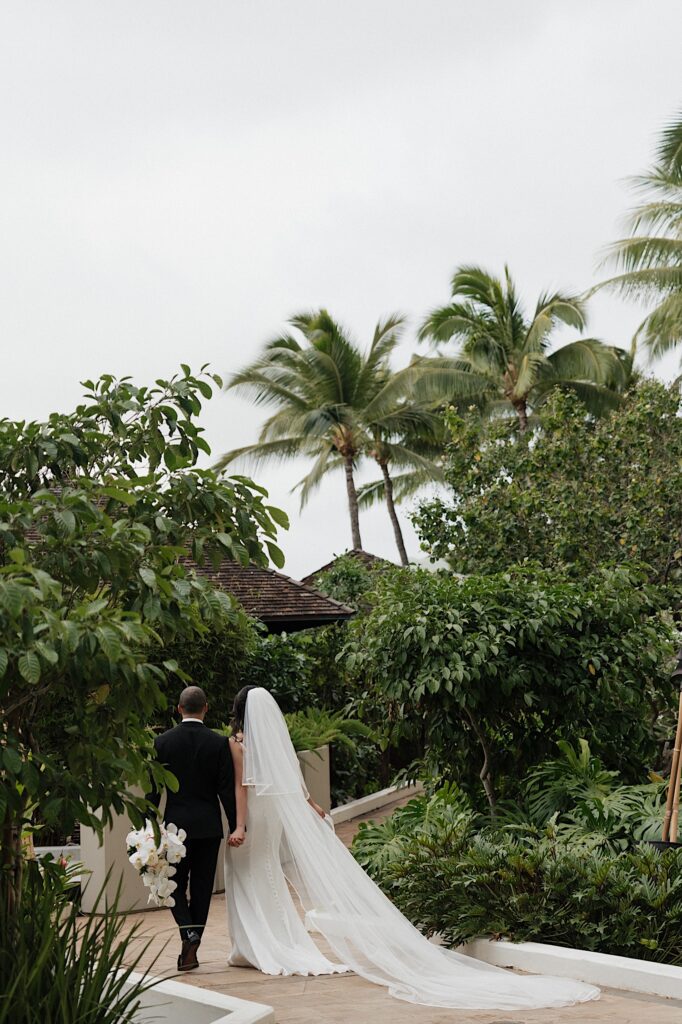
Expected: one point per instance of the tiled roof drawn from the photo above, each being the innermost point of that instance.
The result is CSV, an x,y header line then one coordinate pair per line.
x,y
362,556
274,598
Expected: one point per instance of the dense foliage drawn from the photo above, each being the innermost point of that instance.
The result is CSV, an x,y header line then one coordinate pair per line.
x,y
567,866
491,670
578,493
97,511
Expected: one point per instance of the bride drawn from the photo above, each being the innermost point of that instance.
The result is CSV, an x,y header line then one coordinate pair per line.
x,y
282,839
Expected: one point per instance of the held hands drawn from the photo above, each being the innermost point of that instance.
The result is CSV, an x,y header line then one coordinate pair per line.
x,y
237,837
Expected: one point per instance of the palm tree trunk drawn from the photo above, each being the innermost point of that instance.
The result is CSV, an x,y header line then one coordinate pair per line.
x,y
522,413
388,491
352,503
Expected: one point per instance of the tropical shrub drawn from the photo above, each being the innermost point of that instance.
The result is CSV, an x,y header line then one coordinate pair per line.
x,y
587,804
465,886
58,966
575,494
455,874
489,672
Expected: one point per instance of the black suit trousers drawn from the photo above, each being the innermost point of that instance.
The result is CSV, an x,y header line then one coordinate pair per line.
x,y
195,877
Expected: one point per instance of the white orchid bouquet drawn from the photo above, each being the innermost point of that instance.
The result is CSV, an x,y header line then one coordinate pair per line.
x,y
156,862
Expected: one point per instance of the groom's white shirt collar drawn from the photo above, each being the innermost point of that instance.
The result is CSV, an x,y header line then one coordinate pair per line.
x,y
199,720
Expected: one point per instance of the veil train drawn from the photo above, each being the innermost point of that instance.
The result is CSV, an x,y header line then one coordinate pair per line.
x,y
363,928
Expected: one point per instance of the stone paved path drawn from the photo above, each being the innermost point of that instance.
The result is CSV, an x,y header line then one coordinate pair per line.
x,y
347,999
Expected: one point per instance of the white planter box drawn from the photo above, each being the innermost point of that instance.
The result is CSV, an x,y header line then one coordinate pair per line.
x,y
600,969
373,802
173,1002
315,768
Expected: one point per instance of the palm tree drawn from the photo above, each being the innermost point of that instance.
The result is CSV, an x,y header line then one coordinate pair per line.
x,y
650,260
336,405
507,355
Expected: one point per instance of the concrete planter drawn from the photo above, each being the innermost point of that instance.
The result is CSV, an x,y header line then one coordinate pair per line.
x,y
602,969
315,768
373,802
172,1002
106,866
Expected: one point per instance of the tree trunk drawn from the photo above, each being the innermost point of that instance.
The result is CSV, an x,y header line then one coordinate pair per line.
x,y
522,412
388,491
352,503
486,774
12,867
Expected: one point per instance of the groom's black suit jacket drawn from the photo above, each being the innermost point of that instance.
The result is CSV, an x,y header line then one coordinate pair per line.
x,y
201,761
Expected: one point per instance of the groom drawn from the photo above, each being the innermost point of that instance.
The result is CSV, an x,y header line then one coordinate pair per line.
x,y
200,760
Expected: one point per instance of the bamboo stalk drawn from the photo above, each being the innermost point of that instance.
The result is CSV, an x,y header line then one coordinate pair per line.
x,y
674,818
674,784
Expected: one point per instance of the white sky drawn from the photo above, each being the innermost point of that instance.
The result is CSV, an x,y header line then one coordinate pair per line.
x,y
177,178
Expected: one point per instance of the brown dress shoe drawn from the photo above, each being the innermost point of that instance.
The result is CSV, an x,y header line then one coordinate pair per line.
x,y
187,961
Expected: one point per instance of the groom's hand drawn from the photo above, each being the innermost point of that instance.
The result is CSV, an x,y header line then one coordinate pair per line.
x,y
238,836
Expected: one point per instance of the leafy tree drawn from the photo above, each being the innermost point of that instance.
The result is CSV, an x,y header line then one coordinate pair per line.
x,y
335,405
490,671
99,510
507,354
579,493
650,259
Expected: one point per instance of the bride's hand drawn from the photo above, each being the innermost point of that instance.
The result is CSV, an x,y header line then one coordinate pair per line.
x,y
317,809
237,837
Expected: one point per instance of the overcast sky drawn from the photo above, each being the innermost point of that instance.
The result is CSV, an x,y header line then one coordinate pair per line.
x,y
177,178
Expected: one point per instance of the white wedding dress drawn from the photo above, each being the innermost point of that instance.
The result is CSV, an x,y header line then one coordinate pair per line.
x,y
288,844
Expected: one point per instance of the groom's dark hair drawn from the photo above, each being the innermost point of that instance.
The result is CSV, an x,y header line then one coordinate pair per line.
x,y
192,699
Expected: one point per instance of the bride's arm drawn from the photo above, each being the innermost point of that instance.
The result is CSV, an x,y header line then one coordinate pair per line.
x,y
241,794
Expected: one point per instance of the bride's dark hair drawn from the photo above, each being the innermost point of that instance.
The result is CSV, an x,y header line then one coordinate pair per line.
x,y
239,707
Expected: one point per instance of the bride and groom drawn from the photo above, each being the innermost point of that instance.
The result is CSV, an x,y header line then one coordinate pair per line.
x,y
279,841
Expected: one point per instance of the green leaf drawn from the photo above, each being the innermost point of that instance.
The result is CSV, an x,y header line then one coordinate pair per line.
x,y
125,497
47,652
280,517
276,554
12,760
148,576
12,597
3,662
66,522
29,667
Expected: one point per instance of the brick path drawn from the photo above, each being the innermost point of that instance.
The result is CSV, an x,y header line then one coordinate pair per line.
x,y
347,999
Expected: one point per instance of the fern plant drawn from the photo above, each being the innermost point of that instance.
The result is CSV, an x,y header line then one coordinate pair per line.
x,y
315,727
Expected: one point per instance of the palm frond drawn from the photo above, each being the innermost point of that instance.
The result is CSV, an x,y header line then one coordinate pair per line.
x,y
284,448
587,359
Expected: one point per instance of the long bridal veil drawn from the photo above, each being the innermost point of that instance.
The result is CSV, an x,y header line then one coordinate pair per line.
x,y
361,925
